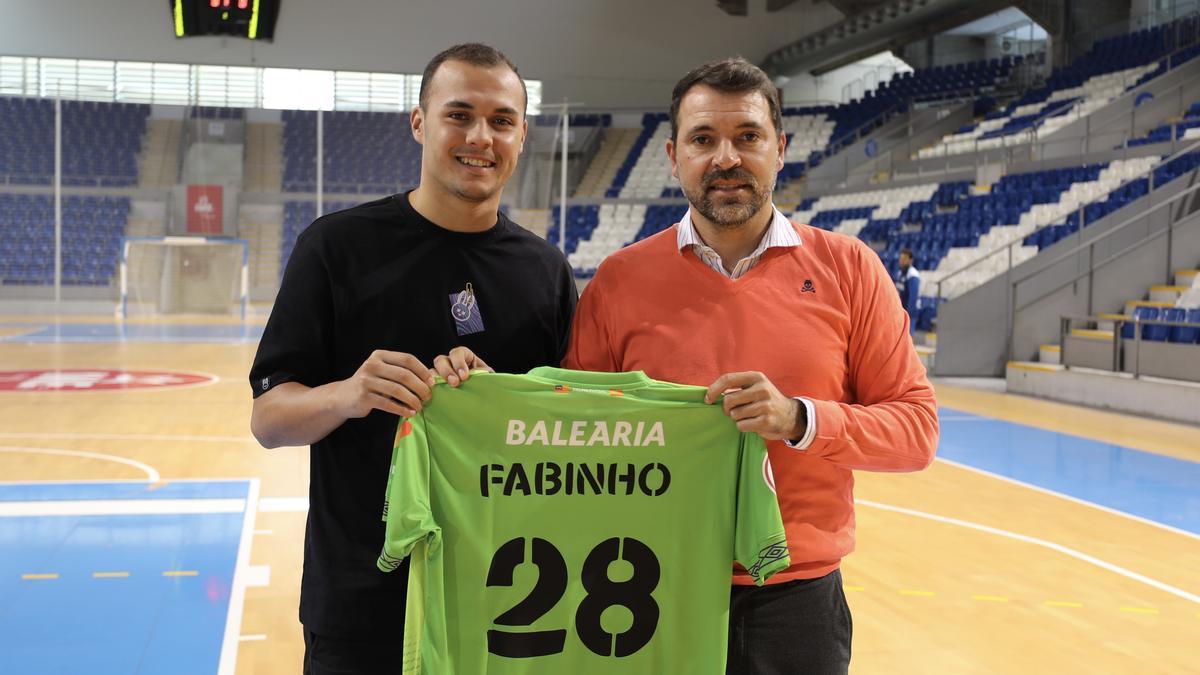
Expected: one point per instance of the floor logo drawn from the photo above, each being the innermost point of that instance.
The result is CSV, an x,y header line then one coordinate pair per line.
x,y
96,380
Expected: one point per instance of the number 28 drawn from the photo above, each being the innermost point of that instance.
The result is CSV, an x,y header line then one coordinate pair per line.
x,y
602,593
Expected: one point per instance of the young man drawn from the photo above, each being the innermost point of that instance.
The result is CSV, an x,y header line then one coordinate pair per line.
x,y
377,298
799,328
908,285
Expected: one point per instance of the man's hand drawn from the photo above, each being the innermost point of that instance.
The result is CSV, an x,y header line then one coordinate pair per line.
x,y
456,366
756,405
394,382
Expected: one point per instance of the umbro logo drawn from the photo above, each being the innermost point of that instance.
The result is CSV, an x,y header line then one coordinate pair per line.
x,y
808,287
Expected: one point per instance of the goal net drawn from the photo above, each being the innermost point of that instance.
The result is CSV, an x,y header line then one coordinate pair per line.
x,y
183,275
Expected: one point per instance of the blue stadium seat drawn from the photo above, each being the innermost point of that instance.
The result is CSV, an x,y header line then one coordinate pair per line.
x,y
1154,333
364,153
101,142
1184,334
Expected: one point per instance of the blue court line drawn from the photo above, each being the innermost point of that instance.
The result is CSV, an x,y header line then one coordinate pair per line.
x,y
143,623
118,332
1155,487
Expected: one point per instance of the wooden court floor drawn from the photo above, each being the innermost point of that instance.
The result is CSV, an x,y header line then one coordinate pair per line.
x,y
958,569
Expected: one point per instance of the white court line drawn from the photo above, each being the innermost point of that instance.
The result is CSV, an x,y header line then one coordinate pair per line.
x,y
252,638
237,597
112,339
119,507
130,481
1076,500
1091,560
151,474
258,576
126,437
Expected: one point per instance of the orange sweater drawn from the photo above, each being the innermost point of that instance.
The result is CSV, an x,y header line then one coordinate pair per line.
x,y
821,320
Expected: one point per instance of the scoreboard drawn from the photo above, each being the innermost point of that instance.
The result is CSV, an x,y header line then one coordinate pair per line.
x,y
253,19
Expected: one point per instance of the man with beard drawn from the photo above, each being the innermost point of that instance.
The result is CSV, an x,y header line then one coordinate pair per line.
x,y
374,301
798,332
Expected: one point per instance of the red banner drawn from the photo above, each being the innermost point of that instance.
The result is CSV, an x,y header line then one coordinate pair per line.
x,y
204,209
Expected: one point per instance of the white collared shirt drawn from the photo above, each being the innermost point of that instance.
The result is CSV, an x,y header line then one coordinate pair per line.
x,y
780,234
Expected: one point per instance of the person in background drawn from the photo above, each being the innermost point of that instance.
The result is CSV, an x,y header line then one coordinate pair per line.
x,y
908,284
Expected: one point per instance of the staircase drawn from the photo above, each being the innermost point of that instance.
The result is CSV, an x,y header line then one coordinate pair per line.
x,y
1159,296
158,162
612,153
262,226
263,170
536,221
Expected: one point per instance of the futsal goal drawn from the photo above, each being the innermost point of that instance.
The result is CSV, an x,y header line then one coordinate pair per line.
x,y
183,275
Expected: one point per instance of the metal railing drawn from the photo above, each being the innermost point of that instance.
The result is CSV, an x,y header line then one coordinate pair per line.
x,y
853,135
1090,246
849,138
1029,144
1148,173
1118,362
1013,285
1129,118
1122,121
1025,142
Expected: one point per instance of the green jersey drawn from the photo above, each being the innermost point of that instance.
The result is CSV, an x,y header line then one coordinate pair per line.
x,y
572,522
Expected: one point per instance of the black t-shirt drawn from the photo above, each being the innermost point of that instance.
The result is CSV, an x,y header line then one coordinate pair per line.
x,y
381,276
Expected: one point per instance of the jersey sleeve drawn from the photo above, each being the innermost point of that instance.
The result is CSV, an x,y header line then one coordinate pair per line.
x,y
760,544
406,506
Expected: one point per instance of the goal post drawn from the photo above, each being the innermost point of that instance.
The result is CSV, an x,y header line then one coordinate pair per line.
x,y
184,275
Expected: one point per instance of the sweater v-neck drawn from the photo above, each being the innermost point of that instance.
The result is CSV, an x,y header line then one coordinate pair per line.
x,y
710,276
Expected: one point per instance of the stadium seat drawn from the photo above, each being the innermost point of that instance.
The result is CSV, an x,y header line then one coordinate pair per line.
x,y
1153,333
1184,334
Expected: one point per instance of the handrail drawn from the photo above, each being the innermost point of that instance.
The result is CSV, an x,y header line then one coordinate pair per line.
x,y
1030,135
1169,57
1064,328
1122,116
1082,210
1033,128
1079,247
1093,266
882,117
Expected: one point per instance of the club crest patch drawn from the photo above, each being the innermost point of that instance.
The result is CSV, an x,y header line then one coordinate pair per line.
x,y
464,309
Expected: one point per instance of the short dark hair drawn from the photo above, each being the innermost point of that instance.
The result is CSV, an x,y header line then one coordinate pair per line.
x,y
474,53
734,75
907,251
